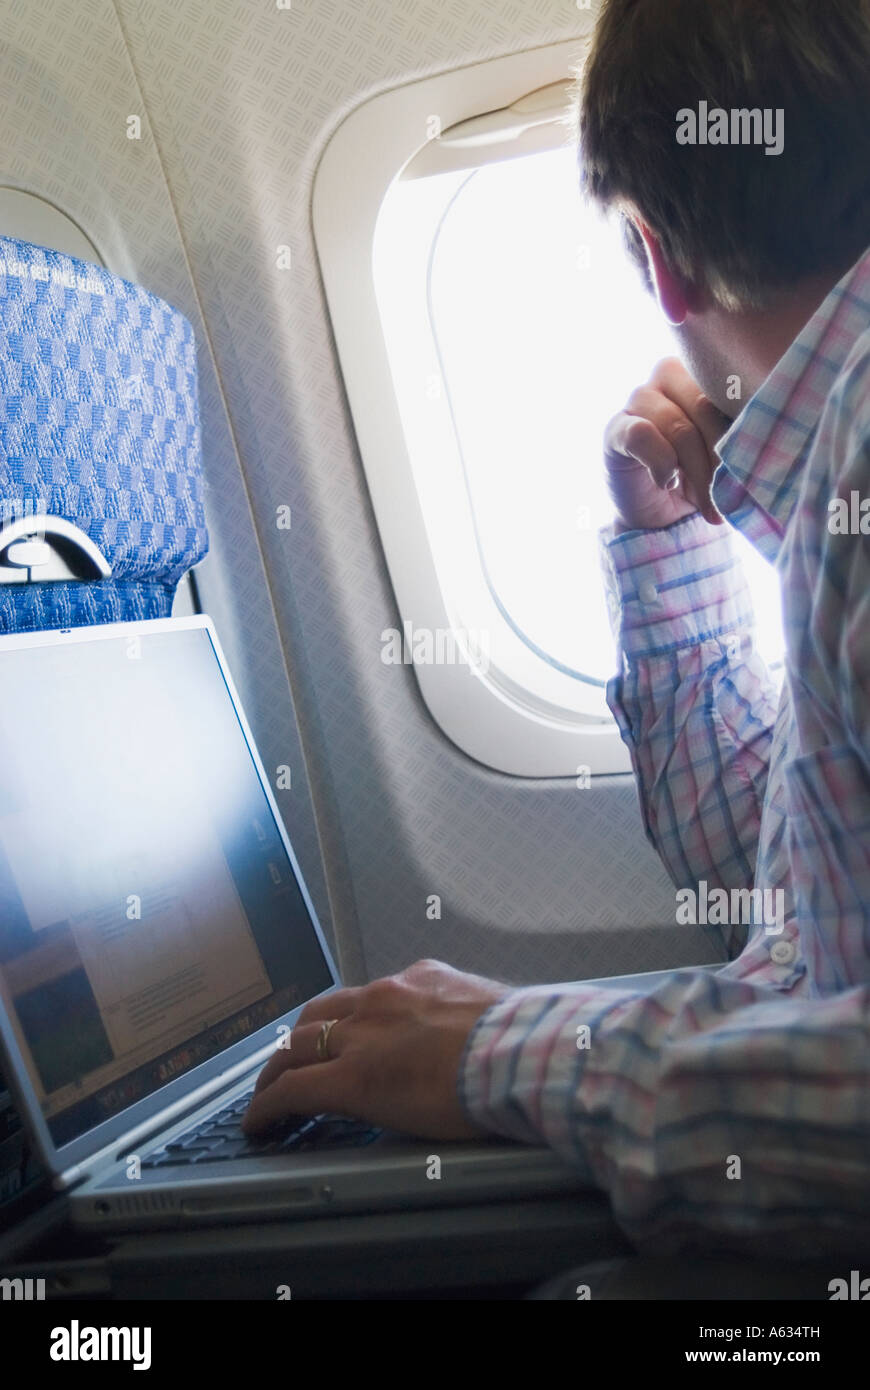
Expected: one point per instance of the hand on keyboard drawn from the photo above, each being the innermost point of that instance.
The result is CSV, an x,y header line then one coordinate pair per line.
x,y
220,1138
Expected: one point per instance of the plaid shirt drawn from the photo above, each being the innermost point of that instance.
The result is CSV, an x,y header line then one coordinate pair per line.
x,y
728,1105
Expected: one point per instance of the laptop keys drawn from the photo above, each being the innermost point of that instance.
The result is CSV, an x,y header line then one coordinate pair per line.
x,y
219,1138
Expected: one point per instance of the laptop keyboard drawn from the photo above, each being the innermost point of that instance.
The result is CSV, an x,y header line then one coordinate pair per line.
x,y
220,1137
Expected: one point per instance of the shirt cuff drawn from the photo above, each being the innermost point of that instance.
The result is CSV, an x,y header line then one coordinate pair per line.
x,y
523,1062
674,587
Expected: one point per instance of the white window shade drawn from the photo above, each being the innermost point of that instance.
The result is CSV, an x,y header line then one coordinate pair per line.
x,y
533,123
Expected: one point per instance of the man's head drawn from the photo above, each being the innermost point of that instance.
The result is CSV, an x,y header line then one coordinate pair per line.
x,y
736,240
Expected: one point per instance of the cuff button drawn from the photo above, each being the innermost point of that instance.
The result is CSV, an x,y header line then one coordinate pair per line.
x,y
783,952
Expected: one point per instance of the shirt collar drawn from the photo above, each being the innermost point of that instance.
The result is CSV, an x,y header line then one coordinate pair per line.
x,y
764,451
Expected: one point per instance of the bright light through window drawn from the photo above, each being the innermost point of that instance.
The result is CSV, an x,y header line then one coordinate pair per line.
x,y
539,329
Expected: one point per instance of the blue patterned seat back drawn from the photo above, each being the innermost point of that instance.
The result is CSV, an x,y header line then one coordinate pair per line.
x,y
99,423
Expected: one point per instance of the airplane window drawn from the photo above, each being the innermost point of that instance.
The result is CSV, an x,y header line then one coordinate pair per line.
x,y
488,324
540,329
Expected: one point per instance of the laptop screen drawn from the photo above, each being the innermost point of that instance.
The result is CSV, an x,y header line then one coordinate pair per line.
x,y
149,914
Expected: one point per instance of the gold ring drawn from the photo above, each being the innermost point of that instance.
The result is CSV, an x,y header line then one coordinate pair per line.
x,y
322,1048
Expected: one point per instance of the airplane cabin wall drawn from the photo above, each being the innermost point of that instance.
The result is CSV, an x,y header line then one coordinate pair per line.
x,y
538,880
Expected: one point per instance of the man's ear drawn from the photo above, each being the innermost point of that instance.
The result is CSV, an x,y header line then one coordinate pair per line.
x,y
672,293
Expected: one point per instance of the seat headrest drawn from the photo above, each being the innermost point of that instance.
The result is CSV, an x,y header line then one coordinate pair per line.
x,y
99,424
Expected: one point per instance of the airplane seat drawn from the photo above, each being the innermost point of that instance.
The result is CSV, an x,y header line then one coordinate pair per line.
x,y
101,490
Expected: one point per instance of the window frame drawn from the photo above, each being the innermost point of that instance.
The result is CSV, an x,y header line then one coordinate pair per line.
x,y
487,718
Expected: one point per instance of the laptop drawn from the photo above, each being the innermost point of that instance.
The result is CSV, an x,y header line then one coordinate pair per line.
x,y
157,942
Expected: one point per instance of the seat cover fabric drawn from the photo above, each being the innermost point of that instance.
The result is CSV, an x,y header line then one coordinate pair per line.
x,y
99,423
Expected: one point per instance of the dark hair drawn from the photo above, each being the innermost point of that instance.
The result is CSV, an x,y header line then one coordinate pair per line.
x,y
729,216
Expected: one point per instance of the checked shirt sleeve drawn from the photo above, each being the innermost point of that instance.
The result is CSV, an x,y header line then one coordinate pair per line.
x,y
717,1112
827,781
694,702
711,1110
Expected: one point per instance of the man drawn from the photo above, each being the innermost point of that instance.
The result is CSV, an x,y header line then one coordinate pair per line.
x,y
724,1106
